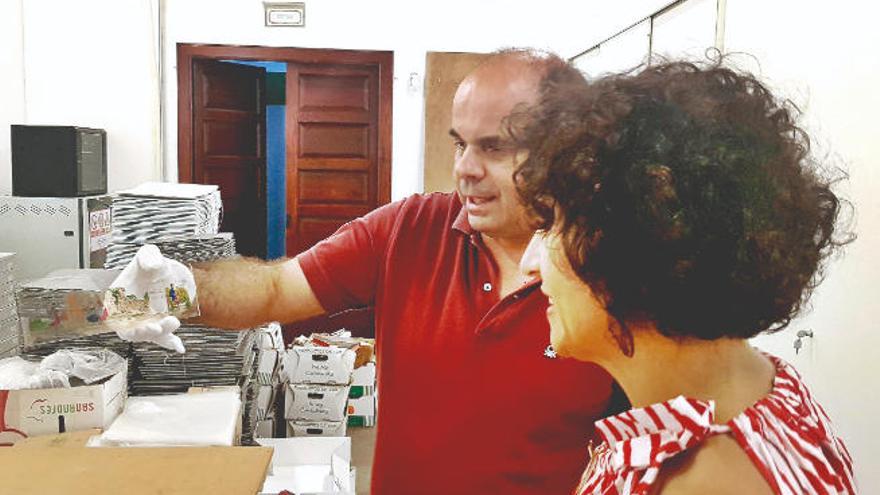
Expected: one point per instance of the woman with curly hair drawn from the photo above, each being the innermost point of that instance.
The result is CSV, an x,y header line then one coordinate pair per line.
x,y
681,215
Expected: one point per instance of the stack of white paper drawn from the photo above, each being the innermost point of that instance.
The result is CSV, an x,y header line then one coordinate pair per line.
x,y
199,419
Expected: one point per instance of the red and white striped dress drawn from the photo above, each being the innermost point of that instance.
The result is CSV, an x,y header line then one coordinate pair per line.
x,y
787,435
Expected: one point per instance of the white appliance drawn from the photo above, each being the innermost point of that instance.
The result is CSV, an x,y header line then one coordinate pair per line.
x,y
52,233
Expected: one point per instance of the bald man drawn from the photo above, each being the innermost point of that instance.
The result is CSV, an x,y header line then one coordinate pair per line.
x,y
470,404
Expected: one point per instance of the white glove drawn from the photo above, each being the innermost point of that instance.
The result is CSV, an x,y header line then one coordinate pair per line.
x,y
153,274
159,331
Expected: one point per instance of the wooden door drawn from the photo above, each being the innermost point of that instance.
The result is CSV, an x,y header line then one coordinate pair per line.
x,y
229,146
332,149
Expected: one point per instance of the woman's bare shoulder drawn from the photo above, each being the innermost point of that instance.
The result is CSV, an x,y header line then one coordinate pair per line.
x,y
718,466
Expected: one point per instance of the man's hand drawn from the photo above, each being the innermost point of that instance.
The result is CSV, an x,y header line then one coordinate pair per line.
x,y
151,274
159,331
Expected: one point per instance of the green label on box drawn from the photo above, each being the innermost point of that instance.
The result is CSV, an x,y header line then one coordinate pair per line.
x,y
364,421
358,391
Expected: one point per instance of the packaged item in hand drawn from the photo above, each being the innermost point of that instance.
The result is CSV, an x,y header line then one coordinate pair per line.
x,y
76,302
64,304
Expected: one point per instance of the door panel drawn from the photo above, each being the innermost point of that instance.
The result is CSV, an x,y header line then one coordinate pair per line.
x,y
229,146
332,149
330,186
334,140
323,210
333,164
230,138
230,86
328,92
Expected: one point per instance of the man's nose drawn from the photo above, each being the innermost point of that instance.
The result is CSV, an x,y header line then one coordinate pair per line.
x,y
469,166
530,264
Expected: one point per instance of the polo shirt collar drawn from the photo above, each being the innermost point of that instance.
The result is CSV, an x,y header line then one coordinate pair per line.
x,y
461,223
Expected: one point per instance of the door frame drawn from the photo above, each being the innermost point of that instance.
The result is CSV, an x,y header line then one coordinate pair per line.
x,y
383,60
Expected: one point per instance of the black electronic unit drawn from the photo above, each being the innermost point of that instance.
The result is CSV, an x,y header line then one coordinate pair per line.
x,y
58,161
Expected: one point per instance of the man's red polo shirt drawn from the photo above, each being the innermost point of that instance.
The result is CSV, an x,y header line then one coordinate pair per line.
x,y
468,402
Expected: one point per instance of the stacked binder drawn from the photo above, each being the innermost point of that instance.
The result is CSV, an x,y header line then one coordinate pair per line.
x,y
187,250
213,358
160,211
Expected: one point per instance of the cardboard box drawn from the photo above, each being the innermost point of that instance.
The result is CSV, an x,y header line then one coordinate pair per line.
x,y
267,367
316,428
264,401
270,338
361,421
315,402
264,428
310,465
357,391
362,411
363,406
69,468
56,410
364,375
314,364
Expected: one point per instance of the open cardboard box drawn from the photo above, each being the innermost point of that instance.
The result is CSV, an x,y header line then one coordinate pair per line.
x,y
310,466
62,464
25,413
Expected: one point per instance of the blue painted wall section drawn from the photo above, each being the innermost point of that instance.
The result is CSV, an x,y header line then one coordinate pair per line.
x,y
275,182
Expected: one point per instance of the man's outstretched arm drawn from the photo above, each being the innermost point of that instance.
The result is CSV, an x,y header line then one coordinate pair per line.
x,y
246,292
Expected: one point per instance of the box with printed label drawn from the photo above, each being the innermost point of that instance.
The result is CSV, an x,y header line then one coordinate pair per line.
x,y
357,391
315,402
26,413
363,406
316,428
361,421
364,375
316,364
362,411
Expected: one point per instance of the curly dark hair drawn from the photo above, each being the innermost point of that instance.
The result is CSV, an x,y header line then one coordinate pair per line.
x,y
683,193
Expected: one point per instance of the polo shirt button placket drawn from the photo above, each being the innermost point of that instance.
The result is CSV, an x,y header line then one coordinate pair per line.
x,y
487,287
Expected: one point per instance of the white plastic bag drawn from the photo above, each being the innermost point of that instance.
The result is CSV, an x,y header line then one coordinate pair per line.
x,y
88,366
18,374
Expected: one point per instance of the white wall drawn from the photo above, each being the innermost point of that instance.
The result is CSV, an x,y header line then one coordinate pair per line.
x,y
12,108
95,62
410,29
823,55
89,63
